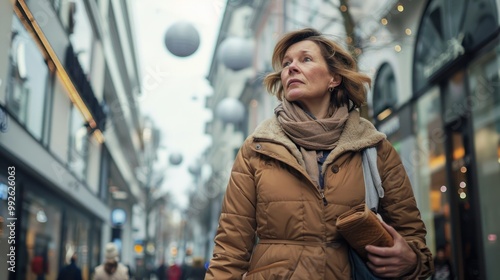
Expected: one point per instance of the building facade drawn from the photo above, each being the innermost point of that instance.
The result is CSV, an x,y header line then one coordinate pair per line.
x,y
436,96
71,134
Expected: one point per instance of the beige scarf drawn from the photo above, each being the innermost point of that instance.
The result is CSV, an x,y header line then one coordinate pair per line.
x,y
309,133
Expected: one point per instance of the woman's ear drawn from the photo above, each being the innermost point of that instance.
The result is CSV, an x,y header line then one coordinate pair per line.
x,y
336,80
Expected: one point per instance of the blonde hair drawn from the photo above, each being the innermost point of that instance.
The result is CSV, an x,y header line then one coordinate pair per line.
x,y
339,61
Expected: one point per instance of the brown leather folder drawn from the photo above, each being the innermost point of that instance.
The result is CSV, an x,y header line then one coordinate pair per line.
x,y
360,227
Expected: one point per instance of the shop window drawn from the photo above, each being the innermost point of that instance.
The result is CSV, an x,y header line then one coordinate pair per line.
x,y
78,148
28,81
42,228
76,240
429,163
484,101
385,95
95,244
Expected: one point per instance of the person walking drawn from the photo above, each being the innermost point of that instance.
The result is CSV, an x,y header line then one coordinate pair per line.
x,y
302,168
161,271
70,271
174,272
39,265
111,268
195,271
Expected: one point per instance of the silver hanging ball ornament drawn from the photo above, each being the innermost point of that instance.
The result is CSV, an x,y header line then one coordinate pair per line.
x,y
175,159
236,53
182,39
194,169
230,110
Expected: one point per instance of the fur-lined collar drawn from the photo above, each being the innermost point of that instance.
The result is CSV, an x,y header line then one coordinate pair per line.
x,y
358,134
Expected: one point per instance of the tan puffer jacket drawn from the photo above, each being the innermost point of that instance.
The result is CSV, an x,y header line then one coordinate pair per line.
x,y
274,223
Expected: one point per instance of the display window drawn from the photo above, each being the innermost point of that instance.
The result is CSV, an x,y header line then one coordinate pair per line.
x,y
484,83
42,219
429,158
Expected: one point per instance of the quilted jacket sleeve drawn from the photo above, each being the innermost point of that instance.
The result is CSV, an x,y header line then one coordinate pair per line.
x,y
235,235
399,208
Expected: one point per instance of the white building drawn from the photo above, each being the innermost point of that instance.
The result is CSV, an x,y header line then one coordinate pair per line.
x,y
71,130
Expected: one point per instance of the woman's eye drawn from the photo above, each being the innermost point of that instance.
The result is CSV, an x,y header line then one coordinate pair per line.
x,y
286,63
307,59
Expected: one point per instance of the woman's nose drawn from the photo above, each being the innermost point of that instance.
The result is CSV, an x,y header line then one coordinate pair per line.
x,y
292,67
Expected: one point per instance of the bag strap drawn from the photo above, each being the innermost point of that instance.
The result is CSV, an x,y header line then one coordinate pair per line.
x,y
373,183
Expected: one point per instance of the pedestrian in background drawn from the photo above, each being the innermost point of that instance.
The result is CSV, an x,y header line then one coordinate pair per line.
x,y
161,271
174,272
302,168
442,265
70,271
40,265
195,271
111,268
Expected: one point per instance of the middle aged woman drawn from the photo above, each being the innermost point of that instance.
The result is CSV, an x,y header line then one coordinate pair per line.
x,y
302,168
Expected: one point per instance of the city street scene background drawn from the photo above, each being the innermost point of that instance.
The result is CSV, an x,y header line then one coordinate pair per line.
x,y
120,120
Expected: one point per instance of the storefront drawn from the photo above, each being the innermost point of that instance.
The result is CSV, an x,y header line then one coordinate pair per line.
x,y
456,104
49,228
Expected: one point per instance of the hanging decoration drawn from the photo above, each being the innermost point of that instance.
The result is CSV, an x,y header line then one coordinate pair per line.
x,y
175,159
236,53
230,110
182,39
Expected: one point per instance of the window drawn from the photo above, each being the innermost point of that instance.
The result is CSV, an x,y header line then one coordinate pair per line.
x,y
430,166
385,94
485,105
82,35
78,144
76,239
27,85
42,234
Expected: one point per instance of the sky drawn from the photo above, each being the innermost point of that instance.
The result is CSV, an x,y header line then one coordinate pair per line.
x,y
174,88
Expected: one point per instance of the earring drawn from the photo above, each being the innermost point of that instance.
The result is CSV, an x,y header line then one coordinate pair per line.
x,y
330,89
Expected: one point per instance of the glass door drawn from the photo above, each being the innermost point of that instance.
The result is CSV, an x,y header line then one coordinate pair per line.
x,y
464,225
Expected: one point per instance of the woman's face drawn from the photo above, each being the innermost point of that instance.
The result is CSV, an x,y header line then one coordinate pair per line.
x,y
305,77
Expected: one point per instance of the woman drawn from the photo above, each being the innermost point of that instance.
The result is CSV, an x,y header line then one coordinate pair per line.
x,y
301,169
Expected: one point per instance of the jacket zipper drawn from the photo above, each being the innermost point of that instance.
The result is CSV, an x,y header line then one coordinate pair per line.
x,y
321,191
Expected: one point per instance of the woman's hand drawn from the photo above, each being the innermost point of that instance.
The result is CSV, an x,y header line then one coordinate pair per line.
x,y
392,262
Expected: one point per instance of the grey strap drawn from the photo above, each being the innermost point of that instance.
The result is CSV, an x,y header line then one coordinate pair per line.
x,y
373,183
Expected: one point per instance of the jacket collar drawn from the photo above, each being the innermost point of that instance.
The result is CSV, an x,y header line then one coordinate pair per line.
x,y
358,134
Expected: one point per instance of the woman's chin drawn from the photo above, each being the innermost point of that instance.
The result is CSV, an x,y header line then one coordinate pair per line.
x,y
294,95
